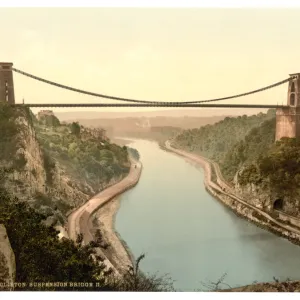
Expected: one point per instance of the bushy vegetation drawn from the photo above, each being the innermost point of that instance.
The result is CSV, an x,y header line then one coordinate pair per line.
x,y
75,128
248,144
255,144
230,142
84,154
49,120
279,164
42,257
133,153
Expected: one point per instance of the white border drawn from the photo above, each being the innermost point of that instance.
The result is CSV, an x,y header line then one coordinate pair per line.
x,y
148,3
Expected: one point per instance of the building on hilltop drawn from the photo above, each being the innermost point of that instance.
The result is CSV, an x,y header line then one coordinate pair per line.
x,y
44,113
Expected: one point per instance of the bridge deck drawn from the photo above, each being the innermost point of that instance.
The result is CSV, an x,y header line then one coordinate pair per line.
x,y
147,105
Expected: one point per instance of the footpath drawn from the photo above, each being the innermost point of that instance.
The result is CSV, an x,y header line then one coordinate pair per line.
x,y
79,220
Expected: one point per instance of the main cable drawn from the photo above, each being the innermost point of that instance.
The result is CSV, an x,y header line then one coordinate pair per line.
x,y
145,101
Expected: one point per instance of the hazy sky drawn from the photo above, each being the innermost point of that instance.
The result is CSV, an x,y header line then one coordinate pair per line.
x,y
153,54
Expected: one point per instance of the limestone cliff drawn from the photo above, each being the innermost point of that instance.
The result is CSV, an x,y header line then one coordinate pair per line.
x,y
263,194
257,194
7,262
31,174
35,175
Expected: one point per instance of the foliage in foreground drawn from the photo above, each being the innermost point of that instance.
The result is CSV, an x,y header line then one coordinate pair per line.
x,y
42,257
135,280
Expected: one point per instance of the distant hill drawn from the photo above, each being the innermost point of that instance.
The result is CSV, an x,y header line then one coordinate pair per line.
x,y
129,126
195,112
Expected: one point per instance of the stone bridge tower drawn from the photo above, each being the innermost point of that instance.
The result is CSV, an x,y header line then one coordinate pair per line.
x,y
288,118
7,93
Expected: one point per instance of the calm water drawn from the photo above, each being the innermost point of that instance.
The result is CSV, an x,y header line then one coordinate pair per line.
x,y
187,233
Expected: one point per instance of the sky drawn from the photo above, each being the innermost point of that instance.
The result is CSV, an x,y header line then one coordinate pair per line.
x,y
160,54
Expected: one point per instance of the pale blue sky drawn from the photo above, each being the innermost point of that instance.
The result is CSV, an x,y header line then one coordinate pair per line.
x,y
153,54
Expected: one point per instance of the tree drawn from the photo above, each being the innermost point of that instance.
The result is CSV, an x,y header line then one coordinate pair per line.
x,y
75,128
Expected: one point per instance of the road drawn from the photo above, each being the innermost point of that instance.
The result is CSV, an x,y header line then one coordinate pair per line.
x,y
80,219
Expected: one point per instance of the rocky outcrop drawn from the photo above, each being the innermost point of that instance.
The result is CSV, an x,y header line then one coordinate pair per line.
x,y
7,262
263,195
254,194
35,177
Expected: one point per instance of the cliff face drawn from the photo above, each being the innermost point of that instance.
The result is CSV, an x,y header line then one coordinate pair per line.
x,y
258,195
35,175
272,179
26,161
264,194
7,261
31,174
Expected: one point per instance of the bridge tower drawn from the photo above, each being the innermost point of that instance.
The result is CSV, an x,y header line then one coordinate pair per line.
x,y
7,93
288,118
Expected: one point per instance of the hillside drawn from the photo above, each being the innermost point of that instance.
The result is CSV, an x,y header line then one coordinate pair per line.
x,y
255,143
140,124
99,113
56,167
260,170
273,175
157,134
219,140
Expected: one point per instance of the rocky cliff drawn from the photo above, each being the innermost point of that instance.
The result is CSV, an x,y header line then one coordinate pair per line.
x,y
35,175
272,179
7,262
265,194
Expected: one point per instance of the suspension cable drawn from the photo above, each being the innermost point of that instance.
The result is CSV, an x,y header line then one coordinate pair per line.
x,y
145,101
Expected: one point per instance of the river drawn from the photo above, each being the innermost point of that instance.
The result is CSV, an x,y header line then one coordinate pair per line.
x,y
188,234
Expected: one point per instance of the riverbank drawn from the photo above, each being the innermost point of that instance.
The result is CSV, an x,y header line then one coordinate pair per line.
x,y
222,192
118,252
80,221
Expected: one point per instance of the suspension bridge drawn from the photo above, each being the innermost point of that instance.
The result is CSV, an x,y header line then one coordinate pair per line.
x,y
287,116
7,95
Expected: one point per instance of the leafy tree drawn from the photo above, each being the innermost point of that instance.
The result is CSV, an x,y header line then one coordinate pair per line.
x,y
232,141
75,128
40,255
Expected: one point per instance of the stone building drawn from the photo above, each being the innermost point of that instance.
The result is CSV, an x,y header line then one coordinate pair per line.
x,y
44,113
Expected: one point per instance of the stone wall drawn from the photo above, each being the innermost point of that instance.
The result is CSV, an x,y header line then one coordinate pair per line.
x,y
287,218
287,122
